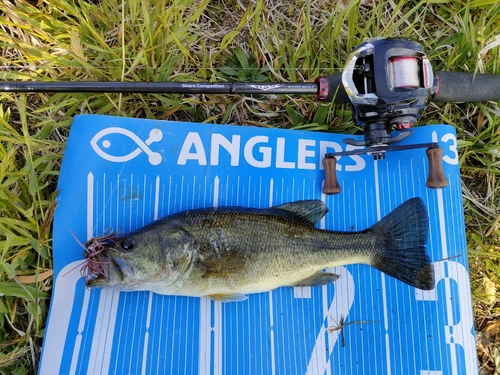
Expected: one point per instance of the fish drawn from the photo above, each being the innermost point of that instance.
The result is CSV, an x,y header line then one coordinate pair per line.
x,y
226,253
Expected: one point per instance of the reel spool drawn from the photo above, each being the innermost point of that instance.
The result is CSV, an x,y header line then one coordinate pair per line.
x,y
389,83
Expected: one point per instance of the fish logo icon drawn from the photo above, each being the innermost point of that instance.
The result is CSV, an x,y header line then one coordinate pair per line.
x,y
155,135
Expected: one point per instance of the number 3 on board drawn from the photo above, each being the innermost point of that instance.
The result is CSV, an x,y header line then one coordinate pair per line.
x,y
451,151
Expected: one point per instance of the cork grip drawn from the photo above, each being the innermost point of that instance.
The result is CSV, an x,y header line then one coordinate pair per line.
x,y
436,178
331,185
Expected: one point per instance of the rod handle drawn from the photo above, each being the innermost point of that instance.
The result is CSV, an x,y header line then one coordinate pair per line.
x,y
436,178
331,185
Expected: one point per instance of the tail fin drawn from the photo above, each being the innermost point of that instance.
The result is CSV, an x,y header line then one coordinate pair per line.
x,y
403,255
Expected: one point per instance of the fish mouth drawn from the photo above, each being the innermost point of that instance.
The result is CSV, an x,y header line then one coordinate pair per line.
x,y
116,272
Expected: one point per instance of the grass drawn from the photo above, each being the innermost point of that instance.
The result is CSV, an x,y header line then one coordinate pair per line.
x,y
185,40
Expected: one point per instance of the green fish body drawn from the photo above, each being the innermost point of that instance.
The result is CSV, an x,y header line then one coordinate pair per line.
x,y
226,253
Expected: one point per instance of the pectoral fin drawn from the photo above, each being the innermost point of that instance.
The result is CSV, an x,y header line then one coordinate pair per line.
x,y
317,279
228,297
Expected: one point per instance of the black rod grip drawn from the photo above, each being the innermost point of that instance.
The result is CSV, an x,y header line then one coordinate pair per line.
x,y
450,87
466,87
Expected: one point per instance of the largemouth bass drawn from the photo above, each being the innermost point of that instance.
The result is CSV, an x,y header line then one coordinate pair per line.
x,y
228,252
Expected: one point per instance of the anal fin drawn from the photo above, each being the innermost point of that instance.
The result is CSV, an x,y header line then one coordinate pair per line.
x,y
317,279
228,297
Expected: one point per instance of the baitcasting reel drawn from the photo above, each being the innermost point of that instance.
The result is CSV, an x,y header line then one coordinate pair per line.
x,y
389,83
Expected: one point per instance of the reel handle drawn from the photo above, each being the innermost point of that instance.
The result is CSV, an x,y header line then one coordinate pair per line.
x,y
435,180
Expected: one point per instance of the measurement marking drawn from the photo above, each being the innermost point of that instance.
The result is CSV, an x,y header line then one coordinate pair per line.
x,y
150,296
83,313
157,198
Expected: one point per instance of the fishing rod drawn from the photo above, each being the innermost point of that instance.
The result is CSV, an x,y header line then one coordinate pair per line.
x,y
449,87
389,83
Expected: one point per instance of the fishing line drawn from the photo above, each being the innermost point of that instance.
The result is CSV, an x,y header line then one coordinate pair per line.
x,y
403,72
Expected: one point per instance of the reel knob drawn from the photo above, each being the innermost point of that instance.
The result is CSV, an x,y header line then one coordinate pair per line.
x,y
436,178
331,185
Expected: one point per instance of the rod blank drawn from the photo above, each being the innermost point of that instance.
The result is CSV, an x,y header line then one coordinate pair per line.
x,y
160,87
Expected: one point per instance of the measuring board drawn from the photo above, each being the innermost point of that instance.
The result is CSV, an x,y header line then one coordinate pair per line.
x,y
123,173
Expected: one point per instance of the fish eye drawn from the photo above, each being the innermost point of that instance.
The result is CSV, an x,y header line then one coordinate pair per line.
x,y
128,244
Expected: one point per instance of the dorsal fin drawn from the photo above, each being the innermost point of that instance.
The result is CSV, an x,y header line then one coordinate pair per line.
x,y
309,211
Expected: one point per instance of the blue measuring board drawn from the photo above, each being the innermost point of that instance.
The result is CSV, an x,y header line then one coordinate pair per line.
x,y
123,173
